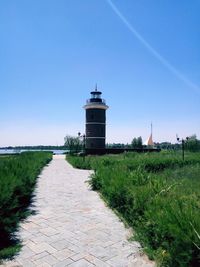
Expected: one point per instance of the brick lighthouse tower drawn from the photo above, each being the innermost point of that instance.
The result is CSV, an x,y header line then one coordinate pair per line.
x,y
95,123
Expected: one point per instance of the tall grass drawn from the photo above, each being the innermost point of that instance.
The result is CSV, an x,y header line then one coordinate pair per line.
x,y
158,195
18,175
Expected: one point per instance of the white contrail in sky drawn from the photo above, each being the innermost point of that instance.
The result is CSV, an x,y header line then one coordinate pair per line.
x,y
166,63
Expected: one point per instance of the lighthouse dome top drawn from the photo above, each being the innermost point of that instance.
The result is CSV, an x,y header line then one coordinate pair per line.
x,y
96,92
95,100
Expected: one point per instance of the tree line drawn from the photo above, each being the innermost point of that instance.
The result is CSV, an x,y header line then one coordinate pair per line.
x,y
75,144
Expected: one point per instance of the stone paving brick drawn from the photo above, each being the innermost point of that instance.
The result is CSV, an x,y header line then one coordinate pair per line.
x,y
40,239
48,248
118,262
63,254
39,256
11,264
50,259
26,253
26,262
82,263
29,225
72,225
103,253
63,263
44,265
95,261
49,231
61,244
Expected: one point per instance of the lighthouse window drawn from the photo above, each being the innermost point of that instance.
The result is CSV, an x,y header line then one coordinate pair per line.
x,y
96,95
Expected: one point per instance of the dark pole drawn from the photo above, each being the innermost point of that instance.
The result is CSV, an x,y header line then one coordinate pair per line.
x,y
84,142
84,146
183,147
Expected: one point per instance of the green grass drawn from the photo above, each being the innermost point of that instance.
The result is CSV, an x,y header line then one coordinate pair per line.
x,y
18,176
158,195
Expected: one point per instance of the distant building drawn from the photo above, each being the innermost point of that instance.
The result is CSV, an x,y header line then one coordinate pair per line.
x,y
95,122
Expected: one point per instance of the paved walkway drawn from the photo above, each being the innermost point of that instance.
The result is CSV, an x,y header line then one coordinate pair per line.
x,y
73,227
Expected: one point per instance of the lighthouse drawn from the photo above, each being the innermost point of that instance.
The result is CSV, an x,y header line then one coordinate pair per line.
x,y
95,128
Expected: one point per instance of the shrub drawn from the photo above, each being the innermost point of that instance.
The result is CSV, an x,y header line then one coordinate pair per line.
x,y
18,176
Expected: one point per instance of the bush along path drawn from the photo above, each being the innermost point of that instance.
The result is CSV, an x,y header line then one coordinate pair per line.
x,y
18,175
73,227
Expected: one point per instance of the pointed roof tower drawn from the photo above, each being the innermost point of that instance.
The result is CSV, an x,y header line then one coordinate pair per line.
x,y
149,141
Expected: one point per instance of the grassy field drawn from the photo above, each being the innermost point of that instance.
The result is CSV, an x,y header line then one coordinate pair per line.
x,y
18,175
158,194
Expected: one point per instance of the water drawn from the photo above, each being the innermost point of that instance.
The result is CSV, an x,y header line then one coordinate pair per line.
x,y
18,151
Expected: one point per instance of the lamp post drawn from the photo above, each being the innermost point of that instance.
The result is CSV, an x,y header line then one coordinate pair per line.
x,y
82,136
182,141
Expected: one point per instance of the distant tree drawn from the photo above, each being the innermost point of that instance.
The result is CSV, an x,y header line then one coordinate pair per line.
x,y
74,144
137,142
134,143
193,144
164,145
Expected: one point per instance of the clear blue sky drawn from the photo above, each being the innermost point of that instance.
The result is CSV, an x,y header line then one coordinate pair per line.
x,y
52,52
